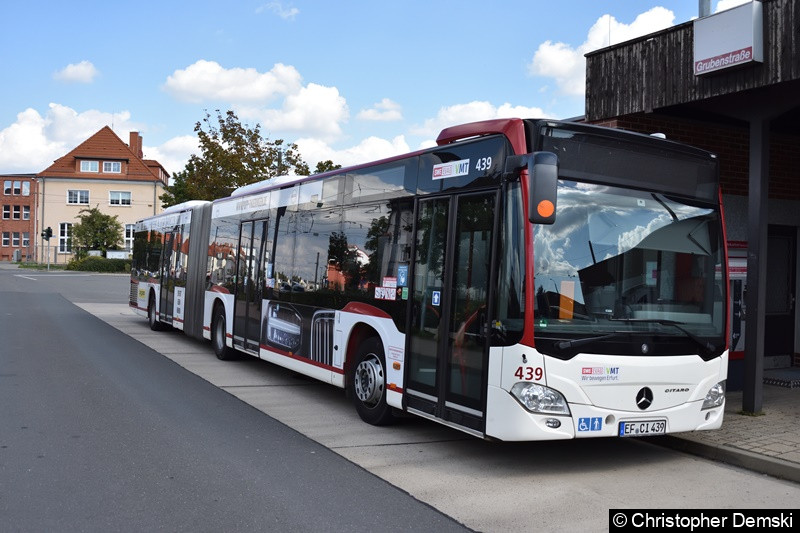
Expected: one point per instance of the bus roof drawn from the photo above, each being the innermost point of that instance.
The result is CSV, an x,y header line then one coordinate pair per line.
x,y
463,132
191,204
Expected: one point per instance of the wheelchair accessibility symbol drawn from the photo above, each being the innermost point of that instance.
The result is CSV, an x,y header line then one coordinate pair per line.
x,y
590,424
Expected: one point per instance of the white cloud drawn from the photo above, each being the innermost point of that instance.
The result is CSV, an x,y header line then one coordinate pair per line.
x,y
286,13
310,110
208,80
33,141
314,110
472,112
384,111
24,146
83,72
64,124
174,153
369,149
567,65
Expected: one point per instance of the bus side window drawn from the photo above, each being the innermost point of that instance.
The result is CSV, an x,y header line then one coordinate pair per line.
x,y
313,225
508,323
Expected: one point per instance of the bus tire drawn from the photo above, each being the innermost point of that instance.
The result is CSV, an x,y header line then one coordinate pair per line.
x,y
152,314
219,335
368,383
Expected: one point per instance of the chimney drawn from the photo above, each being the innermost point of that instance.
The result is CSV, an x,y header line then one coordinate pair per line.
x,y
704,8
136,144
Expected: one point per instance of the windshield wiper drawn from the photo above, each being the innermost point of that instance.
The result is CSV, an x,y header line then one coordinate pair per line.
x,y
709,347
565,345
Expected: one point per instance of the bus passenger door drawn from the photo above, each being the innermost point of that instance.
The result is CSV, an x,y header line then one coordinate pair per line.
x,y
167,278
249,279
447,341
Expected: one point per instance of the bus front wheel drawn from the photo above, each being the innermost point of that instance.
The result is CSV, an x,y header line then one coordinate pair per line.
x,y
219,335
368,383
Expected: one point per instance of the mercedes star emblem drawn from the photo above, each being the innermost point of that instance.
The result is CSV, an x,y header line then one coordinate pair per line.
x,y
644,398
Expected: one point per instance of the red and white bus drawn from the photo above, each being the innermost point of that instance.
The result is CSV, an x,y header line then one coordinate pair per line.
x,y
523,280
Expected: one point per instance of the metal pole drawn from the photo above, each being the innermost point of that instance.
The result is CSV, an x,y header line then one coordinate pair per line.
x,y
757,221
316,271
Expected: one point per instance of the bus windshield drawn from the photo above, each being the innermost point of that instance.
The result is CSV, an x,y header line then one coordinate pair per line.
x,y
639,269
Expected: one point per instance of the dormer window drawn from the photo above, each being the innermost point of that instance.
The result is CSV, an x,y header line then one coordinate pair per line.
x,y
90,166
114,167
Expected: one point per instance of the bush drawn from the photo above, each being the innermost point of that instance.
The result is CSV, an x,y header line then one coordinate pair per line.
x,y
40,266
99,264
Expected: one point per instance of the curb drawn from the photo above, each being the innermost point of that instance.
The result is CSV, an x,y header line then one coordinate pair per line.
x,y
771,466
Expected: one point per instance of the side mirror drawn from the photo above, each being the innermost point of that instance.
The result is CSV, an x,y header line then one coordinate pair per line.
x,y
542,187
543,184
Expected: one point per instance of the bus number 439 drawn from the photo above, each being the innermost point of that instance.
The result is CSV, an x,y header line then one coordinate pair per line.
x,y
484,163
529,373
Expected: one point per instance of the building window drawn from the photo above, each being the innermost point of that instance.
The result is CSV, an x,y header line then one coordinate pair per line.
x,y
64,237
129,230
77,197
15,239
17,212
112,166
26,212
90,166
6,212
6,187
17,188
6,238
119,198
26,239
26,188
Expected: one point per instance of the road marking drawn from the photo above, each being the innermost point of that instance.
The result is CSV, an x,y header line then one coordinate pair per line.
x,y
53,276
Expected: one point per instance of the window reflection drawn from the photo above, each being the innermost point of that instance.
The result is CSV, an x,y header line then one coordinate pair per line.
x,y
617,258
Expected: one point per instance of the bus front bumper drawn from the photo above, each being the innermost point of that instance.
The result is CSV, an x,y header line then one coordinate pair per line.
x,y
507,420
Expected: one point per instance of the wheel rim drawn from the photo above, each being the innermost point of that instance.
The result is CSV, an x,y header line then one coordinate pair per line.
x,y
369,381
151,312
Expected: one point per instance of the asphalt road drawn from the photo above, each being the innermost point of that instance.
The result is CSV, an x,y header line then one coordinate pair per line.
x,y
100,433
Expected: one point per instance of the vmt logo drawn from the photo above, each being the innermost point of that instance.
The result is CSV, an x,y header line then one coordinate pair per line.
x,y
451,170
462,167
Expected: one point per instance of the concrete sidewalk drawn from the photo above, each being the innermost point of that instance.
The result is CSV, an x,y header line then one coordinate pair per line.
x,y
768,443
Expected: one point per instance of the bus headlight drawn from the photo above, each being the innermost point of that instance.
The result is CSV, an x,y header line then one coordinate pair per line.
x,y
715,396
540,399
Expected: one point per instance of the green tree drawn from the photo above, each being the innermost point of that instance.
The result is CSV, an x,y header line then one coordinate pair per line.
x,y
178,192
232,154
377,236
95,231
325,166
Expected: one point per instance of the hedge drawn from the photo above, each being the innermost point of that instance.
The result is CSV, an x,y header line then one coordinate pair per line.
x,y
100,264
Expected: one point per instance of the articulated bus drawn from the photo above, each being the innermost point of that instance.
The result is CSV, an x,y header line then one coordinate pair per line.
x,y
523,280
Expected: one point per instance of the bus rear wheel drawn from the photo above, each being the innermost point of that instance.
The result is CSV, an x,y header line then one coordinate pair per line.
x,y
219,333
368,383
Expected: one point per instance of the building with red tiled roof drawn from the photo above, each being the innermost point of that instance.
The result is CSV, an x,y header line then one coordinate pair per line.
x,y
101,172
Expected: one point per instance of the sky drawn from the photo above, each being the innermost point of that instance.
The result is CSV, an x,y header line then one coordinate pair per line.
x,y
350,81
